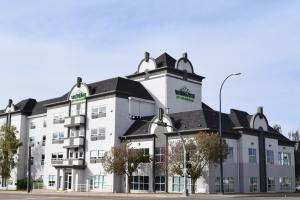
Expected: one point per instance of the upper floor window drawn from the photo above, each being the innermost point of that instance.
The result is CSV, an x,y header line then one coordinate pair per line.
x,y
160,154
99,111
58,137
44,140
78,109
96,156
252,155
43,159
270,157
229,154
32,125
31,141
59,118
57,156
284,158
98,134
45,123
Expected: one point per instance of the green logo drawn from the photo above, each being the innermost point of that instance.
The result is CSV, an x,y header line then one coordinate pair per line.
x,y
78,97
185,94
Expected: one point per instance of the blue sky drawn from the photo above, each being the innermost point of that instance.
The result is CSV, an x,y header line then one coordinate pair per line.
x,y
46,44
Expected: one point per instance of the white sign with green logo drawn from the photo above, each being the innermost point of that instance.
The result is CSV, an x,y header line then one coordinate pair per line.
x,y
184,94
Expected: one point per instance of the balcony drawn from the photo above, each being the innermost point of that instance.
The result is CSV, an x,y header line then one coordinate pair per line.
x,y
74,121
73,142
73,162
56,162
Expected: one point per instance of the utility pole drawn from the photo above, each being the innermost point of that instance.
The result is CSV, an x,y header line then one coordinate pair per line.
x,y
29,169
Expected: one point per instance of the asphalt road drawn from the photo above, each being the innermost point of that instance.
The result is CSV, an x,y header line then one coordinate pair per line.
x,y
22,196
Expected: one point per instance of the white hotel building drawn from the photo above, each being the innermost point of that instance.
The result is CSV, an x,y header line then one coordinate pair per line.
x,y
69,134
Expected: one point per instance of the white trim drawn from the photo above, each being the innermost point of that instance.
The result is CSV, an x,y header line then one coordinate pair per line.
x,y
37,116
141,100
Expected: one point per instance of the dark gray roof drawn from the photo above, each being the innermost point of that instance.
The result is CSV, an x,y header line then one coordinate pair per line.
x,y
165,60
117,85
207,118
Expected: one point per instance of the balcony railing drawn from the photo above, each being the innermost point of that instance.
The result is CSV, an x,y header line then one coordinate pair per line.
x,y
56,162
73,162
74,121
73,142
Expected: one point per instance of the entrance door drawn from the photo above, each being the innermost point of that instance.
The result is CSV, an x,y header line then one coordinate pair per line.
x,y
69,182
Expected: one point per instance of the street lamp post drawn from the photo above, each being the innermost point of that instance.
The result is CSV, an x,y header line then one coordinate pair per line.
x,y
220,130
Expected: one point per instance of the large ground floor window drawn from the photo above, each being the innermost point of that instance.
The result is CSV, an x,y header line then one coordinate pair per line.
x,y
160,183
271,184
178,184
228,183
253,184
97,182
139,182
285,183
51,180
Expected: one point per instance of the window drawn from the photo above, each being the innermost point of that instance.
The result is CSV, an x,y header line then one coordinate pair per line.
x,y
139,182
285,183
57,137
31,141
57,158
284,158
160,183
45,123
43,159
97,182
31,160
76,133
96,156
228,183
59,118
178,184
44,140
229,154
253,184
97,134
271,184
270,157
51,181
78,109
32,124
98,112
160,154
252,155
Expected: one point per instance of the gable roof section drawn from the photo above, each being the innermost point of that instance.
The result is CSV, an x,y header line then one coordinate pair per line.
x,y
117,85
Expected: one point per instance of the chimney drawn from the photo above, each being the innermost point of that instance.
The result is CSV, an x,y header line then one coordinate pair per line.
x,y
147,56
260,110
10,101
185,56
79,81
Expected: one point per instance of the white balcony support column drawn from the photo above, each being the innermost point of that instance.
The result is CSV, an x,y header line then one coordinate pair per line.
x,y
74,187
62,184
87,185
57,179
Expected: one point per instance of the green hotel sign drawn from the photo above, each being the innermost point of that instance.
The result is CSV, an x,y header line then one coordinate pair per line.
x,y
185,94
78,97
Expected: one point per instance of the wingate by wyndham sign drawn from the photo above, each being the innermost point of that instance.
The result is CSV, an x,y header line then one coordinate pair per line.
x,y
78,97
185,94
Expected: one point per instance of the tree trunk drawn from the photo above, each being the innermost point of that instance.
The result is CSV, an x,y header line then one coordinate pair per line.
x,y
193,186
128,182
